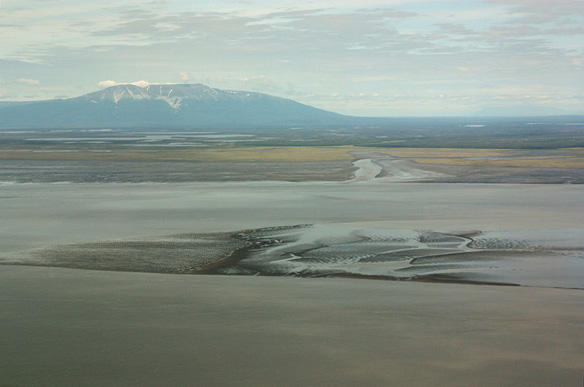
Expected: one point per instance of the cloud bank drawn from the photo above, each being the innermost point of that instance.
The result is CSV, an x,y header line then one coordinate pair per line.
x,y
328,53
110,83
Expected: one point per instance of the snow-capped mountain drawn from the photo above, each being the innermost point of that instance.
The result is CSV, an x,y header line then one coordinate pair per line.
x,y
169,105
173,94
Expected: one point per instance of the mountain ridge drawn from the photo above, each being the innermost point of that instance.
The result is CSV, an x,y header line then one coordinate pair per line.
x,y
128,106
174,105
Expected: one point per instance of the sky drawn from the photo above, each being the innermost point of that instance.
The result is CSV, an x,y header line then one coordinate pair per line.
x,y
357,57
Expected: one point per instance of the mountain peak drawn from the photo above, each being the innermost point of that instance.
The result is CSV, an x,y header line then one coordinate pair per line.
x,y
177,105
172,94
116,93
195,91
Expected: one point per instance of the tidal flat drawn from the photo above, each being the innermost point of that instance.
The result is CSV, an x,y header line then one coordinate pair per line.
x,y
66,326
88,328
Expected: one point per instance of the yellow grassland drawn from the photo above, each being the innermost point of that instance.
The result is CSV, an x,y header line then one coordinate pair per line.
x,y
252,154
536,162
411,153
560,158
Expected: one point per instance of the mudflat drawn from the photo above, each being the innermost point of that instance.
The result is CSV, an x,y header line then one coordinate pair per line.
x,y
92,327
78,327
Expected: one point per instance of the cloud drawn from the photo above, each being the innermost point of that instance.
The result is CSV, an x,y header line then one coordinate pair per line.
x,y
110,83
300,48
29,82
184,76
140,83
107,83
259,83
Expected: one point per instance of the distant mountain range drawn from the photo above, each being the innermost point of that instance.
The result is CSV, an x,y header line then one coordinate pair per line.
x,y
192,106
186,105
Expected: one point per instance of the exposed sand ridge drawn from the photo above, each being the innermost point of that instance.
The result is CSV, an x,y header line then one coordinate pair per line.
x,y
542,259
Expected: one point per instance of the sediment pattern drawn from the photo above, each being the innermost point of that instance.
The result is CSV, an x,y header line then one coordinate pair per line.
x,y
184,253
511,258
